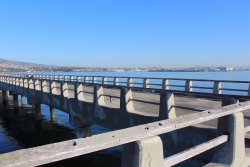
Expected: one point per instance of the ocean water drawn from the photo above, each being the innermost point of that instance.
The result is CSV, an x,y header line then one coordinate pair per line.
x,y
21,128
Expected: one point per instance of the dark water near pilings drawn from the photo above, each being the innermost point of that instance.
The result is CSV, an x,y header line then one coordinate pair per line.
x,y
21,127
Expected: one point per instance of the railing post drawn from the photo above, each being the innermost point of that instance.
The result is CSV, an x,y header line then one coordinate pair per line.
x,y
65,92
145,83
188,86
85,79
129,82
94,81
167,109
143,153
50,86
26,83
61,88
28,80
165,84
104,80
78,78
80,93
116,81
18,82
33,83
217,87
126,105
76,90
71,78
37,85
98,98
232,152
249,90
41,82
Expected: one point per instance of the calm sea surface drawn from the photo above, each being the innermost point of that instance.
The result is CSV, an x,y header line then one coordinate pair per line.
x,y
20,127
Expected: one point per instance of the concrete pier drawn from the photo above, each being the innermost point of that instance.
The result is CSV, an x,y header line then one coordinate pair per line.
x,y
5,94
149,122
52,113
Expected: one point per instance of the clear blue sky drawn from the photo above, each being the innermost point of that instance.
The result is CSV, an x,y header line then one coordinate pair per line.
x,y
170,33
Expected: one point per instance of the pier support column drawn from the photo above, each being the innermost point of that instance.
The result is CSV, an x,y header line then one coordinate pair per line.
x,y
143,153
37,108
22,100
52,113
37,116
5,94
167,109
83,129
15,101
15,97
232,152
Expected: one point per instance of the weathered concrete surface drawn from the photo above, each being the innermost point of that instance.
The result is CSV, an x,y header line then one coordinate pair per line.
x,y
62,150
121,108
143,153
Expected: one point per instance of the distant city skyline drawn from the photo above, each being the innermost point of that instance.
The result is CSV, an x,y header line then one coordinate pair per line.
x,y
132,33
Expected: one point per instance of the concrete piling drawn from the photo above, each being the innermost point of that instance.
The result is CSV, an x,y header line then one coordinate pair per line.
x,y
232,152
5,94
37,108
143,153
52,113
167,109
83,129
126,105
15,97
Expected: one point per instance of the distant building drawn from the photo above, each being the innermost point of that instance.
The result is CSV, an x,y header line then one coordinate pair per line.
x,y
229,68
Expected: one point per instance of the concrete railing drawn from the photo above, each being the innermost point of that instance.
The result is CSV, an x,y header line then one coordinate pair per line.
x,y
142,145
187,85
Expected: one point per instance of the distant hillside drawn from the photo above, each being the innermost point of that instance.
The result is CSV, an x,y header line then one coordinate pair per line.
x,y
17,66
4,61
